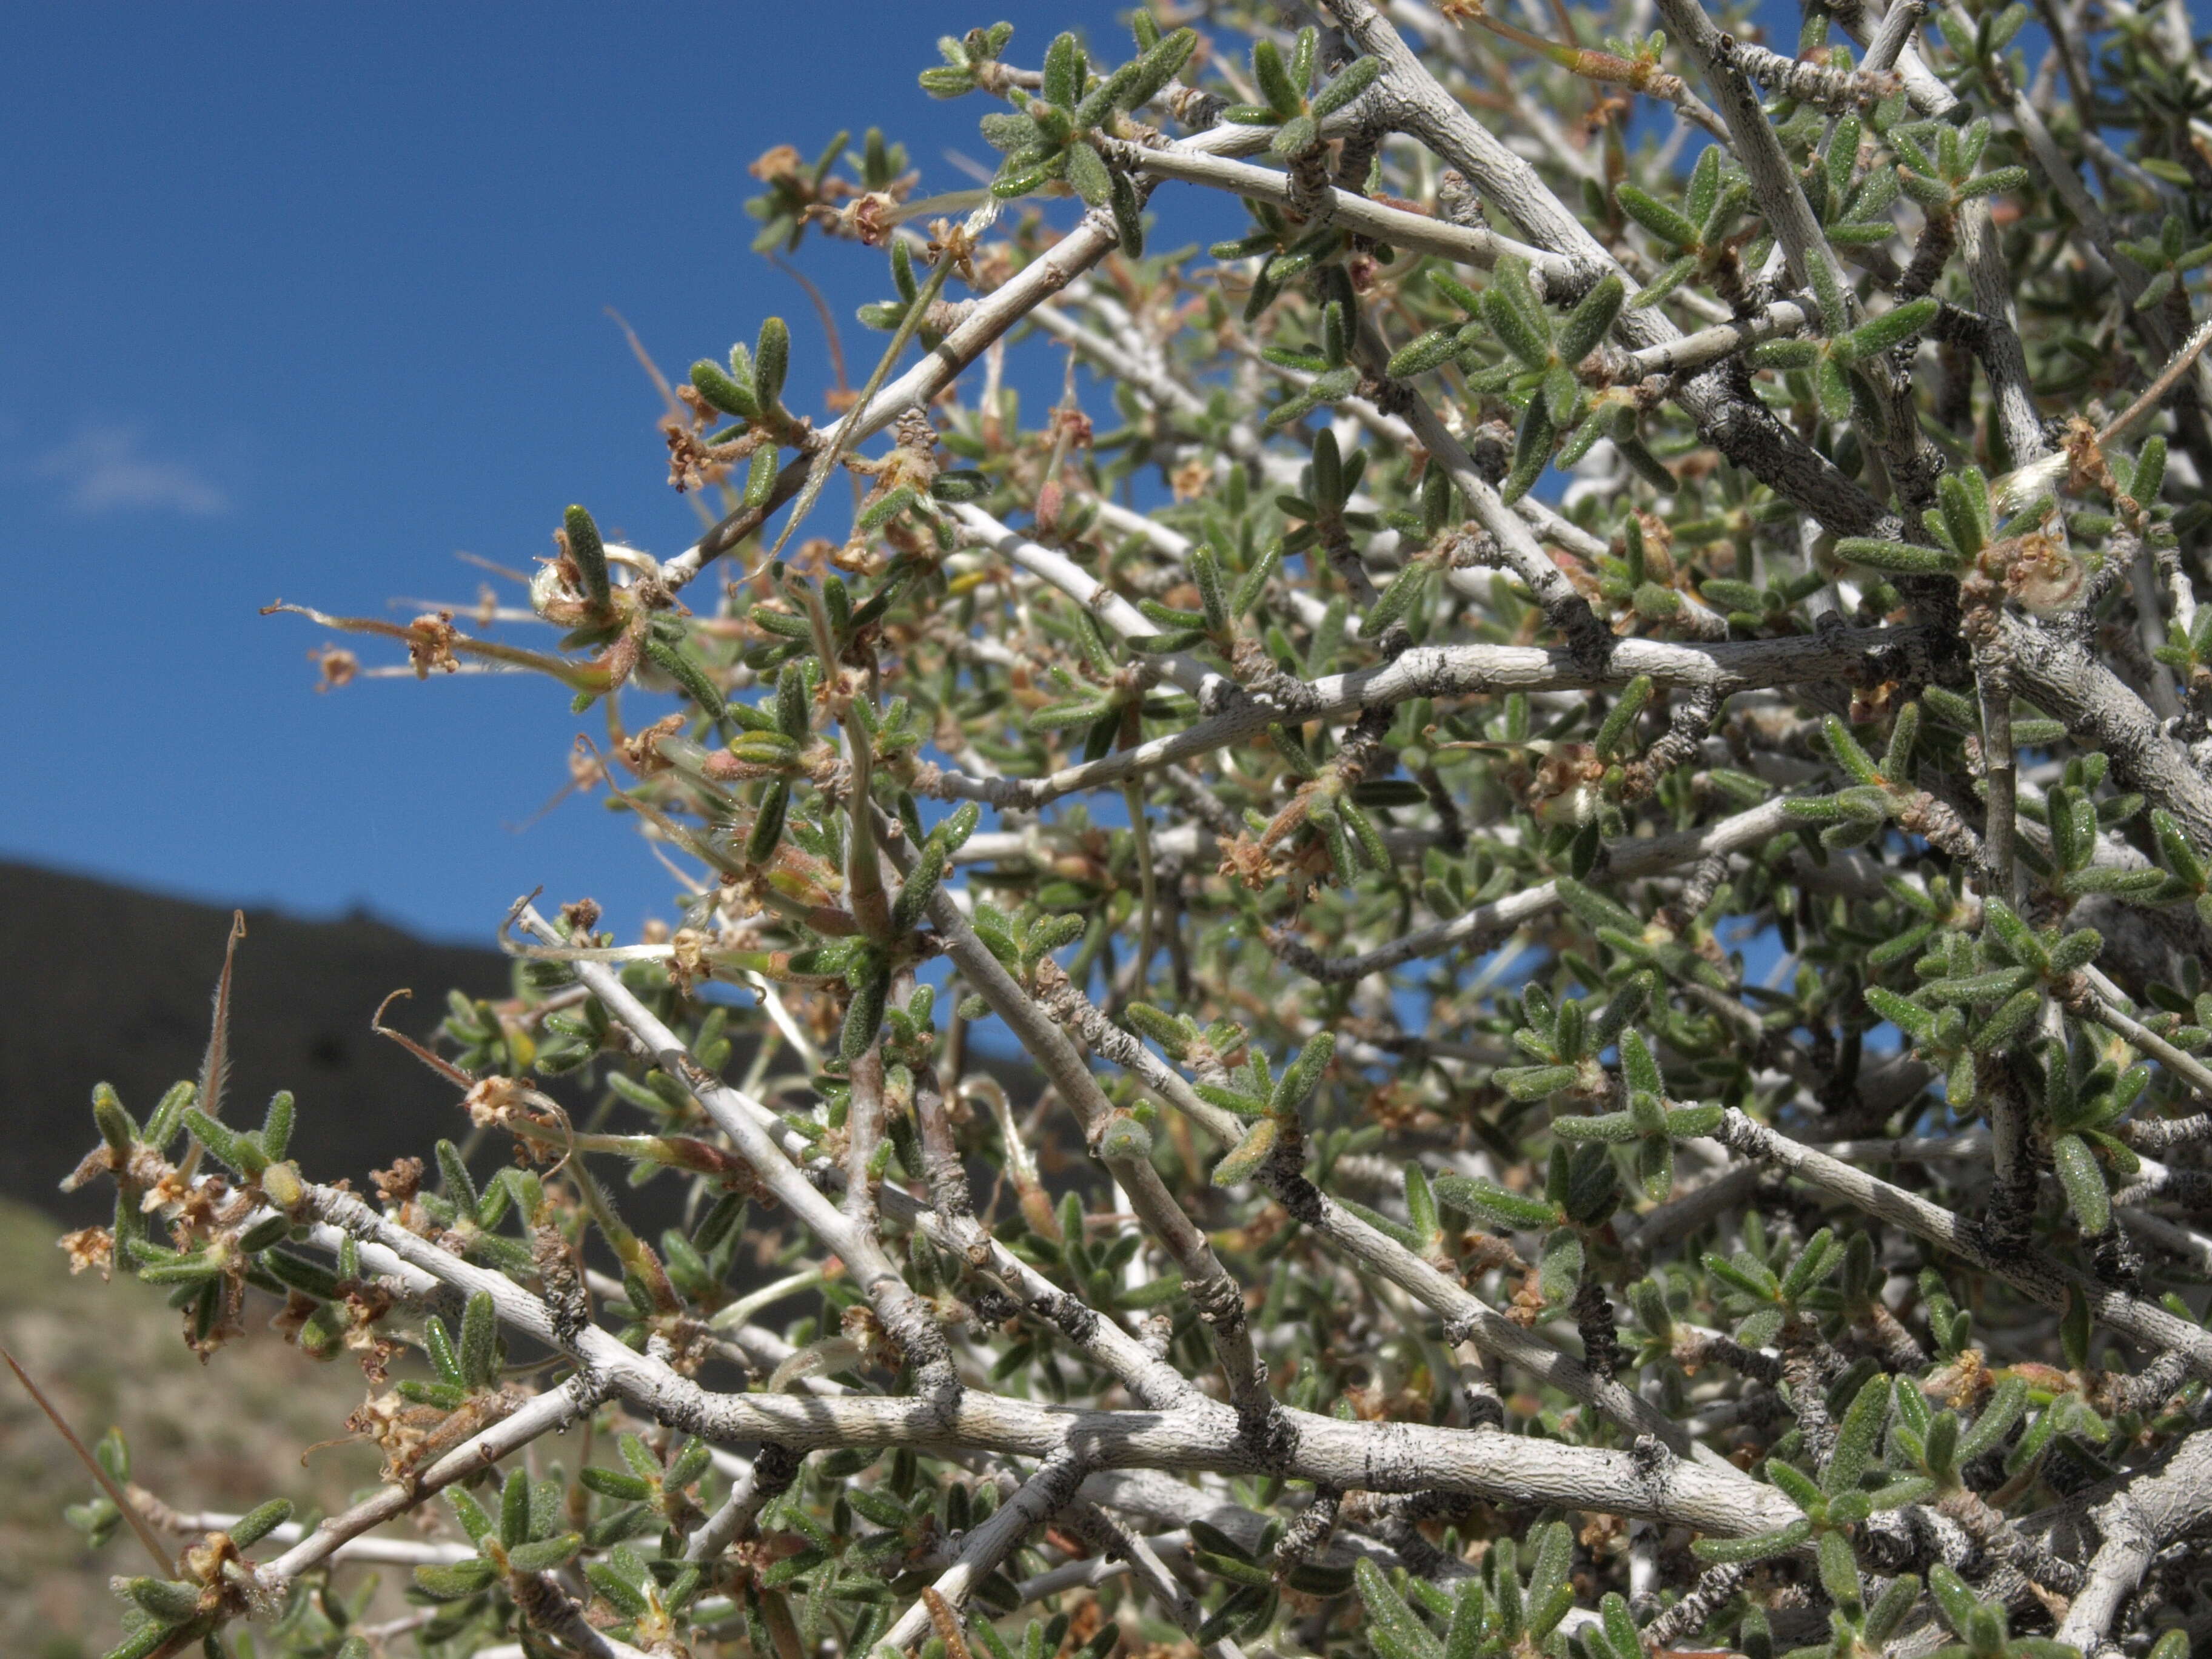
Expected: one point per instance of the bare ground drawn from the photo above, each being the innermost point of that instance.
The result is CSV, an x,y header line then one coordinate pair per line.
x,y
224,1436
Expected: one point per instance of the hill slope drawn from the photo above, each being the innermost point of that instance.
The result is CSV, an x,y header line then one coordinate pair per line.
x,y
110,984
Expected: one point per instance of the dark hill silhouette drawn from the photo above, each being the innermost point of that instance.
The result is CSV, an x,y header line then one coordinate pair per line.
x,y
110,984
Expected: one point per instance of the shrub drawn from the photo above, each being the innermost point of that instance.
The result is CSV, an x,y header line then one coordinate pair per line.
x,y
1617,1058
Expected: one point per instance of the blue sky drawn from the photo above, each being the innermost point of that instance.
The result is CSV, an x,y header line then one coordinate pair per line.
x,y
300,301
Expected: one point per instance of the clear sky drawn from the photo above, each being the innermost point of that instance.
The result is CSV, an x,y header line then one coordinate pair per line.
x,y
299,301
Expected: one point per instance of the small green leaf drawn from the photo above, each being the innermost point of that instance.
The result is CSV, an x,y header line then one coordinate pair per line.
x,y
1393,1628
1762,1547
1612,1128
1839,1571
1587,325
1087,175
1859,1436
545,1555
1351,81
1535,1082
2084,1181
1559,1269
258,1524
1899,558
1296,136
2010,1021
1634,697
1520,333
457,1581
1244,1159
1889,331
1663,222
1472,1197
864,1016
479,1350
728,395
771,360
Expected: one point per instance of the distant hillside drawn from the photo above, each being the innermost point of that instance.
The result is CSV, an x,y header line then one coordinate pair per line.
x,y
223,1436
108,984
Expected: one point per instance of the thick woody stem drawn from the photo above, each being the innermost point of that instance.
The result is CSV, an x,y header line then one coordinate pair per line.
x,y
2101,714
1729,414
1309,1534
864,1133
1690,1616
1487,923
546,1607
991,318
549,1411
1811,83
773,1471
1199,1434
1851,656
2108,1005
864,878
2146,1513
1646,1435
1119,1544
771,1145
1588,642
2000,771
943,1170
1994,1533
2012,1197
1416,233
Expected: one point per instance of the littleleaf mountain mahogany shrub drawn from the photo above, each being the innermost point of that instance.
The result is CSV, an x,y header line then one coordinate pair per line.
x,y
1580,758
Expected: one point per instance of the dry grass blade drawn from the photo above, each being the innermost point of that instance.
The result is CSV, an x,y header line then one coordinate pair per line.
x,y
668,399
215,1069
831,338
672,406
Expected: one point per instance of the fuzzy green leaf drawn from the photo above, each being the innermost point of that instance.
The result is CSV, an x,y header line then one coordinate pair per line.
x,y
1665,222
2084,1181
1489,1202
1900,558
1762,1547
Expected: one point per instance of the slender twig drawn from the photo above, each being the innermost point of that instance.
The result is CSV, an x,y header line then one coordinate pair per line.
x,y
1052,1487
106,1482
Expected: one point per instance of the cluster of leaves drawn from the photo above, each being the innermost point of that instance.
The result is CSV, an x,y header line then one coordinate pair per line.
x,y
1541,371
1494,1612
1054,135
